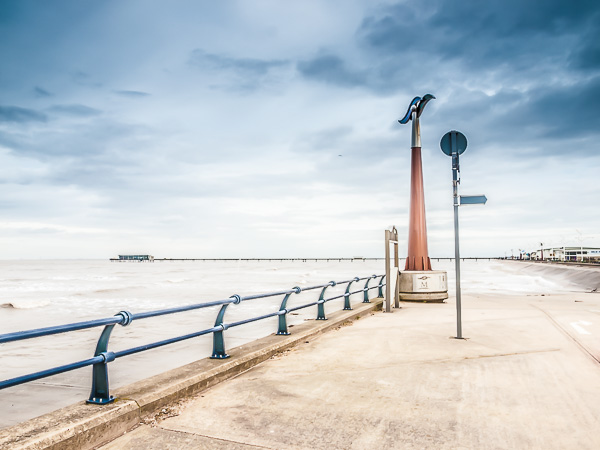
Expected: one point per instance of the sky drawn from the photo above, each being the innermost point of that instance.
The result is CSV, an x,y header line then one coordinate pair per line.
x,y
259,129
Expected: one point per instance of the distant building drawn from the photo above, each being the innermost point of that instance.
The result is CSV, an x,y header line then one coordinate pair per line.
x,y
582,254
136,258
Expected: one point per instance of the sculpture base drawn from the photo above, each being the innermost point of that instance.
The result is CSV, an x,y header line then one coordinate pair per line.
x,y
429,286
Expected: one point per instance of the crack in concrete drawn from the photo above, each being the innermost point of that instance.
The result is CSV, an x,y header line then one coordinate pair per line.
x,y
526,352
413,363
215,438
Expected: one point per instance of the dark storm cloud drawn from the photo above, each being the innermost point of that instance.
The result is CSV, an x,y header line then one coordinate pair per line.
x,y
41,92
331,69
75,110
20,115
132,94
586,55
542,116
85,79
521,71
474,31
570,111
243,66
421,44
241,74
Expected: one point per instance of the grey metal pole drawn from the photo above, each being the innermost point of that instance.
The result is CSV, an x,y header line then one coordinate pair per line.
x,y
453,144
457,265
455,181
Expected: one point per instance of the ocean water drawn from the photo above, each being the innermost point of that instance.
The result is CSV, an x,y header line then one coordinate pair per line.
x,y
36,294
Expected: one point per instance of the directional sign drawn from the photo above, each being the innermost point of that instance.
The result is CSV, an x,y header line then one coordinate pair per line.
x,y
472,199
453,142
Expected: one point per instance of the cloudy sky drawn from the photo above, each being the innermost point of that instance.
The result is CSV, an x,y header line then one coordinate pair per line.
x,y
269,128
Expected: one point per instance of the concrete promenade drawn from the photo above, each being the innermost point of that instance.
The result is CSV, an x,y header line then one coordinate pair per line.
x,y
526,377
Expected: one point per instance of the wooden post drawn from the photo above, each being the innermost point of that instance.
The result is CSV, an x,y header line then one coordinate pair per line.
x,y
388,293
397,269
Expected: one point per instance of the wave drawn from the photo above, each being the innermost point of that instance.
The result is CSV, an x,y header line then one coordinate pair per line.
x,y
15,304
176,280
109,290
84,278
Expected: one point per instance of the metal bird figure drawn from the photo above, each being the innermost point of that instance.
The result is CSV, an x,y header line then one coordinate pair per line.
x,y
415,108
419,103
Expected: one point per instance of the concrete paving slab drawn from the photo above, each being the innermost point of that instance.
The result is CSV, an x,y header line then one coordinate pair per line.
x,y
401,381
148,438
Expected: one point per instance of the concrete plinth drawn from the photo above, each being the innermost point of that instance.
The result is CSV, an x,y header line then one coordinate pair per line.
x,y
429,286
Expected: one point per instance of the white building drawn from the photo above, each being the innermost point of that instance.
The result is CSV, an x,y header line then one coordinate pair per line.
x,y
582,254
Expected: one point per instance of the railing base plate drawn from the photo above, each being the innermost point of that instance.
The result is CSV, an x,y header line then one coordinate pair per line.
x,y
100,401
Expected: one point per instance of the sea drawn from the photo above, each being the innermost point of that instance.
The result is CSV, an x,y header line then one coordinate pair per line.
x,y
42,293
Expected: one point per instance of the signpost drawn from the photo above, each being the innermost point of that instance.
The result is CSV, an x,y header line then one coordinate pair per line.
x,y
453,144
472,199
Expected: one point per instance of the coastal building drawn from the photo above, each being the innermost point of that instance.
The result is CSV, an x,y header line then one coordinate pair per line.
x,y
582,254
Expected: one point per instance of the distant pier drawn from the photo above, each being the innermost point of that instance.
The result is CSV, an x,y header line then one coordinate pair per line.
x,y
486,258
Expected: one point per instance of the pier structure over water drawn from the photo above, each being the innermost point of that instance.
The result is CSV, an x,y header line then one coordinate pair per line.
x,y
137,258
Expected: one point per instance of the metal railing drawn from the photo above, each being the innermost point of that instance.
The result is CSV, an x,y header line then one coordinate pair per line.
x,y
102,356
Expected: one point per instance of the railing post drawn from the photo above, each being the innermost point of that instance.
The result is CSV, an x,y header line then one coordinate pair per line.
x,y
283,329
100,394
218,340
366,289
347,306
321,303
381,286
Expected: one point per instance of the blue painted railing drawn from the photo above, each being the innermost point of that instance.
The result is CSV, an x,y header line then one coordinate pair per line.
x,y
102,356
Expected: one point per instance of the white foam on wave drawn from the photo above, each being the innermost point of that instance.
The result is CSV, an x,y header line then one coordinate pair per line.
x,y
84,278
25,304
175,280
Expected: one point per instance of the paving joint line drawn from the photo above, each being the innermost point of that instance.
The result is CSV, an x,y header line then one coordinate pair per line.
x,y
564,331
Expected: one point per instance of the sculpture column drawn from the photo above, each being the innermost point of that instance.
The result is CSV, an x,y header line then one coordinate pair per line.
x,y
418,256
419,282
